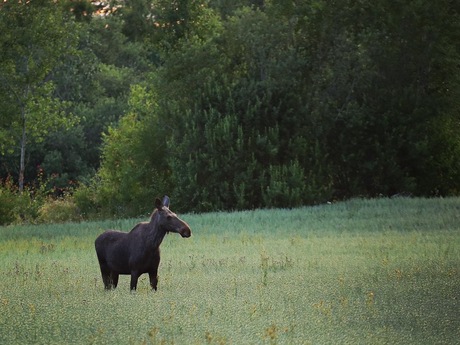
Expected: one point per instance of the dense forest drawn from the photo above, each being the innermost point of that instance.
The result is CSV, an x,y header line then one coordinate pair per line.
x,y
224,104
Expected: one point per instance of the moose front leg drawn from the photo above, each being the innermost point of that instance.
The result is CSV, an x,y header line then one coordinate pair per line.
x,y
153,274
153,280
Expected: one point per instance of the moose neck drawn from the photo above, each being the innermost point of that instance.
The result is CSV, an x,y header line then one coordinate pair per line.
x,y
155,234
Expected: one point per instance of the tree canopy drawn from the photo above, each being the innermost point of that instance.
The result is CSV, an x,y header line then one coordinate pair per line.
x,y
237,105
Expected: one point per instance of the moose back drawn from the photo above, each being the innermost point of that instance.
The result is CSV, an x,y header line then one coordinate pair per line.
x,y
138,251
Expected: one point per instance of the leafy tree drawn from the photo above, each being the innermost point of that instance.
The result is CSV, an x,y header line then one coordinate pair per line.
x,y
379,94
137,19
177,21
234,105
35,37
134,167
82,9
97,83
242,138
331,99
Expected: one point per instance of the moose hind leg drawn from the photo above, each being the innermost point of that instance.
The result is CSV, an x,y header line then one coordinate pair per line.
x,y
134,278
106,276
110,280
107,281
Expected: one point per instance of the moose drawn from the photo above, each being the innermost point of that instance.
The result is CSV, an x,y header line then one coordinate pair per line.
x,y
138,251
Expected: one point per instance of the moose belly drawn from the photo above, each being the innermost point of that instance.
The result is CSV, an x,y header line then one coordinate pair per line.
x,y
119,265
125,263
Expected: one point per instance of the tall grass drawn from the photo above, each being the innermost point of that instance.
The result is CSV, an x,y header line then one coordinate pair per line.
x,y
362,272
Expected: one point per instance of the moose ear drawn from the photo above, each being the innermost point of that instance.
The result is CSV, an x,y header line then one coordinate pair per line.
x,y
158,203
166,201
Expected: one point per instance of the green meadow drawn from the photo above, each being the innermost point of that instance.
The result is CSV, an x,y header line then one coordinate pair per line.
x,y
382,271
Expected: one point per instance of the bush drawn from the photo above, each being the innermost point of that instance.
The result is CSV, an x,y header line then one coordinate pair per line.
x,y
286,187
58,211
27,205
85,200
18,207
8,199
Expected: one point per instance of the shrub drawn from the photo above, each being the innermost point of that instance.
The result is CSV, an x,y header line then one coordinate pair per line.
x,y
27,206
58,211
18,207
86,201
286,187
8,201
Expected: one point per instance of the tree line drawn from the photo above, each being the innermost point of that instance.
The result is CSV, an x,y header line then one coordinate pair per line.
x,y
228,104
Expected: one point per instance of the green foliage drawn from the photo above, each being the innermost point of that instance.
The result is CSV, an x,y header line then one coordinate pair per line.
x,y
253,103
36,204
93,83
302,104
36,37
176,22
134,169
85,199
242,137
383,80
58,211
136,22
286,186
81,9
8,202
18,207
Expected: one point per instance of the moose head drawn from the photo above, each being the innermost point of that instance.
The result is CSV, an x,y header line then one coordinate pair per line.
x,y
168,221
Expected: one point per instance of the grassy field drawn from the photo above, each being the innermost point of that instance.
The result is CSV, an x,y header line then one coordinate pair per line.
x,y
383,271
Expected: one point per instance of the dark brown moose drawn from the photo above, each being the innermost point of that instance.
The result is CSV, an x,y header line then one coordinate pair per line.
x,y
138,251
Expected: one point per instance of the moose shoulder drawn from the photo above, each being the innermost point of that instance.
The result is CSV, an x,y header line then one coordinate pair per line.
x,y
138,251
